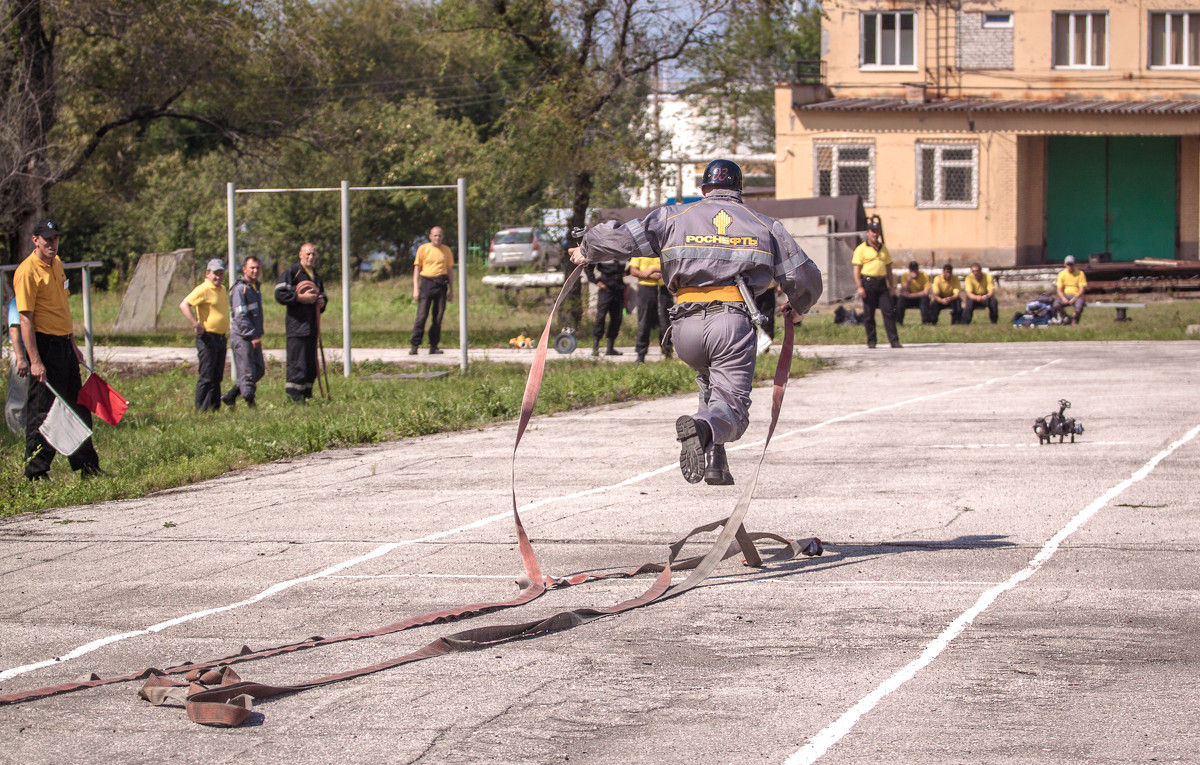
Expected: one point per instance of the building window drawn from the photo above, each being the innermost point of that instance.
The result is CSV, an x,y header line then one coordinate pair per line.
x,y
1081,40
845,169
889,40
1175,40
947,175
998,20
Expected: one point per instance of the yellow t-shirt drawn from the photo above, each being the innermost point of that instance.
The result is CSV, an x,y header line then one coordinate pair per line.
x,y
874,262
212,307
434,260
42,288
943,287
980,286
1071,283
648,264
918,283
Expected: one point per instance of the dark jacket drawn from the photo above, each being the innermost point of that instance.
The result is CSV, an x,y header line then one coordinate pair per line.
x,y
612,273
245,310
709,243
301,318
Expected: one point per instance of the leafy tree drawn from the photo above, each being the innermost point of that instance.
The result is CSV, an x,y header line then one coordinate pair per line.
x,y
77,75
735,83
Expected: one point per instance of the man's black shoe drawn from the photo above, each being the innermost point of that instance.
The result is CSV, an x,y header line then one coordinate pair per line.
x,y
613,352
230,398
412,351
435,351
896,344
717,473
691,449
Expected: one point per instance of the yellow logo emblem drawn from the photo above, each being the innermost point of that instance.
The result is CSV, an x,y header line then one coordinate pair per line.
x,y
722,220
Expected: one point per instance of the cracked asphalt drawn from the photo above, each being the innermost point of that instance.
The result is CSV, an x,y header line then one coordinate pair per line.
x,y
981,598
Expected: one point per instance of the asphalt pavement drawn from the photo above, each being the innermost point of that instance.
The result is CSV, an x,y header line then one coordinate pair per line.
x,y
981,598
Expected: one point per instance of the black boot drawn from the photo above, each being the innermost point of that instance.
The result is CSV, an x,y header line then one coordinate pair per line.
x,y
693,436
611,350
251,403
596,347
717,473
229,398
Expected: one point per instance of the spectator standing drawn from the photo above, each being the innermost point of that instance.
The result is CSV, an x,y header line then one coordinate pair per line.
x,y
980,290
54,358
18,370
1071,284
246,333
653,305
304,303
433,287
610,302
913,291
210,322
876,283
945,292
713,244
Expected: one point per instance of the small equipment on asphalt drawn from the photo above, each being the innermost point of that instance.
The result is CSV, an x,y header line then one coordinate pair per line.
x,y
1057,424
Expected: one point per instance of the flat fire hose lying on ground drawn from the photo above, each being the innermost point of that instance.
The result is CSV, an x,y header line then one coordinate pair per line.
x,y
215,695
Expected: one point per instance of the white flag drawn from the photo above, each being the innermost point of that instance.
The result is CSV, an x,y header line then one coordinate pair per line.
x,y
62,428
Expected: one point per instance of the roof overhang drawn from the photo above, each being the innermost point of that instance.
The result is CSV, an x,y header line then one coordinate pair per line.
x,y
1056,106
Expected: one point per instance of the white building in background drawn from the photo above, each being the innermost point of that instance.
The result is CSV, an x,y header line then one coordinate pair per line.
x,y
683,150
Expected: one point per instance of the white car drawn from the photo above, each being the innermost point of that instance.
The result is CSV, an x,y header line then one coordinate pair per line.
x,y
524,246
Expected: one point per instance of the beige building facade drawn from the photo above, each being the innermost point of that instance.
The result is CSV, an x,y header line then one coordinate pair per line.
x,y
1005,133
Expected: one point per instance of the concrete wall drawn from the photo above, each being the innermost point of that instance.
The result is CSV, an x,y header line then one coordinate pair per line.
x,y
817,236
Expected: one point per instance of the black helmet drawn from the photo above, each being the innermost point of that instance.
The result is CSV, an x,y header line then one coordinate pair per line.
x,y
723,173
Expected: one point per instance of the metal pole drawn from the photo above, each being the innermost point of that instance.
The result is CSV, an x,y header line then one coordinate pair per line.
x,y
346,278
231,261
87,317
462,271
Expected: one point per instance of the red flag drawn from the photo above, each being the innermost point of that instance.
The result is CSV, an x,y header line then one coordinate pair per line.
x,y
103,401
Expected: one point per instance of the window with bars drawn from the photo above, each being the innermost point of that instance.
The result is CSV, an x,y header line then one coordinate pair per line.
x,y
889,40
845,169
1175,40
947,175
1081,40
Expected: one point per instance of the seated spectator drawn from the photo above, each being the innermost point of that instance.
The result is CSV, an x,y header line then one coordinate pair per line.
x,y
980,291
1071,285
945,292
913,291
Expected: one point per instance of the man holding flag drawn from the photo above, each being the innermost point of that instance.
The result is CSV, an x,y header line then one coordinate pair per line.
x,y
54,358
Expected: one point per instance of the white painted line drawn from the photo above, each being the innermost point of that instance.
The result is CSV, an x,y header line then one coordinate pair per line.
x,y
896,405
818,583
275,589
423,576
1024,446
819,744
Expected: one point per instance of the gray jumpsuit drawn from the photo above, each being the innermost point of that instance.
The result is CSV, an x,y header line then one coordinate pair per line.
x,y
708,244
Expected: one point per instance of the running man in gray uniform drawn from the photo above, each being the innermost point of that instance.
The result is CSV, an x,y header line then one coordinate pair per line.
x,y
707,247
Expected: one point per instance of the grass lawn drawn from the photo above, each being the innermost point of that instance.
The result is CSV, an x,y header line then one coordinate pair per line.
x,y
163,442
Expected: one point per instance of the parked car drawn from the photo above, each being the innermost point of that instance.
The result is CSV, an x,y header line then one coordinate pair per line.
x,y
524,246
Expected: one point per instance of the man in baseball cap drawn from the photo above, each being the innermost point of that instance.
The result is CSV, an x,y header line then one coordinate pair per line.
x,y
211,325
1070,285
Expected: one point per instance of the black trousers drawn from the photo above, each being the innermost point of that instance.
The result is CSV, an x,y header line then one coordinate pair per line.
x,y
301,366
62,372
653,304
992,304
878,296
904,303
431,304
611,303
210,350
936,308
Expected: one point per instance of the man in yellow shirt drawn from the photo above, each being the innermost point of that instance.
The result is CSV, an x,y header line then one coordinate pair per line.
x,y
873,275
914,291
980,290
211,325
945,292
433,287
653,303
54,358
1071,285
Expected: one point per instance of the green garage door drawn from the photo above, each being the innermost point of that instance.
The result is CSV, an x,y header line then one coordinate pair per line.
x,y
1112,194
